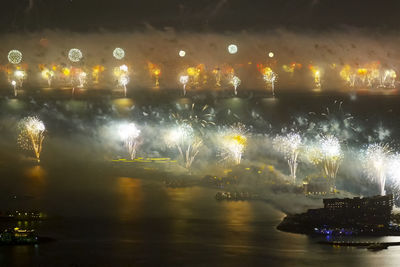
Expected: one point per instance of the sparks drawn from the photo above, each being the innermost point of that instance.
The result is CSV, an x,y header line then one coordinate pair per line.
x,y
328,153
233,143
375,161
32,135
232,49
75,55
289,145
129,134
48,75
235,81
184,139
269,77
14,57
182,53
122,75
119,53
184,79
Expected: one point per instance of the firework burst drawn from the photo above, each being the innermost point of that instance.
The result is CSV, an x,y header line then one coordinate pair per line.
x,y
17,82
327,153
376,162
184,139
316,73
389,79
289,145
393,172
332,121
233,143
48,75
129,134
122,75
198,117
155,71
269,77
235,81
184,79
31,135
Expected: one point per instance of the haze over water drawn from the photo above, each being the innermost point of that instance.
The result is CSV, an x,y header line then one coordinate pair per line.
x,y
110,215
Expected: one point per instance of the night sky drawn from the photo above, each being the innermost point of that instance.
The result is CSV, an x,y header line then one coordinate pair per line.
x,y
199,16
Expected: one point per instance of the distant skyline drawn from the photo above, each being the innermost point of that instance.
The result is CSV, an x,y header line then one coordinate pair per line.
x,y
189,15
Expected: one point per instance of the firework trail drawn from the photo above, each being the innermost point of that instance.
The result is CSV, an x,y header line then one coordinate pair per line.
x,y
198,117
31,135
82,79
47,75
332,121
155,71
389,79
17,82
122,75
289,145
184,139
393,172
184,79
376,162
316,72
235,81
233,143
129,133
327,152
269,77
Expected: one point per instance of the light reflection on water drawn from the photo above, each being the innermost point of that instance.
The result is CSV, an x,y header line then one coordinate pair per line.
x,y
35,183
131,195
136,219
187,225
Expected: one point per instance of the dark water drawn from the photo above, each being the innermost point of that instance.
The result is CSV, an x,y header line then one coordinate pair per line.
x,y
134,221
123,217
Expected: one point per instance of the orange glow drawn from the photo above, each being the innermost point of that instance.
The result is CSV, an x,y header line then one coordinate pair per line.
x,y
155,71
36,180
36,173
362,72
346,73
130,197
66,71
98,68
292,67
264,70
317,75
228,70
96,72
192,71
